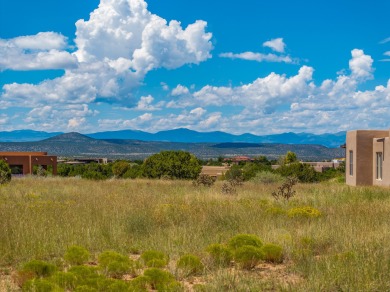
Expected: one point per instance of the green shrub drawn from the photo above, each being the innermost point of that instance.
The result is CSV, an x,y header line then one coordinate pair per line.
x,y
118,286
304,172
172,164
190,265
252,169
304,212
5,172
120,167
39,268
139,283
85,288
243,240
285,191
235,172
220,254
156,263
158,279
64,280
154,258
83,271
272,253
76,255
248,256
41,285
267,177
204,180
114,264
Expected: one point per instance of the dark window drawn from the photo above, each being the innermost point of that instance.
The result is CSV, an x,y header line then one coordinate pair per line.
x,y
350,162
379,165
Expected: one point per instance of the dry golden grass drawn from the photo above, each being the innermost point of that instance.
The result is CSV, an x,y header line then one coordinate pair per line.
x,y
344,249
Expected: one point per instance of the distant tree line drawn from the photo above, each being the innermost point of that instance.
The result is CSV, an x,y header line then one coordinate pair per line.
x,y
166,164
184,165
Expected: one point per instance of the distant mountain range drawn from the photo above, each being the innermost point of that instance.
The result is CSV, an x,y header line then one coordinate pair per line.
x,y
75,144
187,136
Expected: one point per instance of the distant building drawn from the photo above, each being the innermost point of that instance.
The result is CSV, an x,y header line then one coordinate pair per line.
x,y
368,157
238,159
25,161
77,161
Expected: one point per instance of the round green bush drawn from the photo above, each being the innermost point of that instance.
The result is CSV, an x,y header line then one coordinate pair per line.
x,y
39,268
247,256
272,253
154,258
5,172
85,288
304,212
83,271
115,264
245,239
220,254
119,286
139,283
158,279
65,280
156,263
190,264
76,255
41,285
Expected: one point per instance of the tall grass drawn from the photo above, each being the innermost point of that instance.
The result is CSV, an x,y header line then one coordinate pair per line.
x,y
347,248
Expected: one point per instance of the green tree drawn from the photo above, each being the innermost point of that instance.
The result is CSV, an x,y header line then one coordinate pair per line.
x,y
251,169
303,172
134,171
5,172
120,167
173,164
235,172
290,157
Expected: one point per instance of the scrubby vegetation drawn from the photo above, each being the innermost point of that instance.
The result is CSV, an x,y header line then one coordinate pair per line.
x,y
5,173
71,234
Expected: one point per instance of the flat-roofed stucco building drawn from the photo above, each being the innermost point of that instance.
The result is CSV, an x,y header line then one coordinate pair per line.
x,y
27,160
368,157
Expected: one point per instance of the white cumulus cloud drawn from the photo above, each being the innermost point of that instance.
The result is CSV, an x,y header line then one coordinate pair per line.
x,y
361,65
259,57
36,52
120,43
277,45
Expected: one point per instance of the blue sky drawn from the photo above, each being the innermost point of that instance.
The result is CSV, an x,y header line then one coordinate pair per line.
x,y
238,66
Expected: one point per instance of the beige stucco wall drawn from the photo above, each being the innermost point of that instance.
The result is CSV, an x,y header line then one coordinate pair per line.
x,y
384,147
361,143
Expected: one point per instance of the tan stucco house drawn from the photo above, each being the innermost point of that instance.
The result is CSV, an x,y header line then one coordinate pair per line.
x,y
368,157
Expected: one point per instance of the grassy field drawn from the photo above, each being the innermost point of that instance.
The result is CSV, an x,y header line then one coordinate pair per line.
x,y
347,248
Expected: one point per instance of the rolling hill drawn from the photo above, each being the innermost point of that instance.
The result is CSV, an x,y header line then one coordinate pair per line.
x,y
188,136
75,144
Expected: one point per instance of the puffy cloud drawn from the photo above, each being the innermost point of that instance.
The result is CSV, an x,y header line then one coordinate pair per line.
x,y
264,93
37,52
387,53
76,123
276,44
179,90
41,41
146,104
361,65
126,29
251,56
120,43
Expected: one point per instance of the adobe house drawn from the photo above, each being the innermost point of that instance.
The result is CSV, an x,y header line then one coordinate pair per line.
x,y
368,157
27,160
